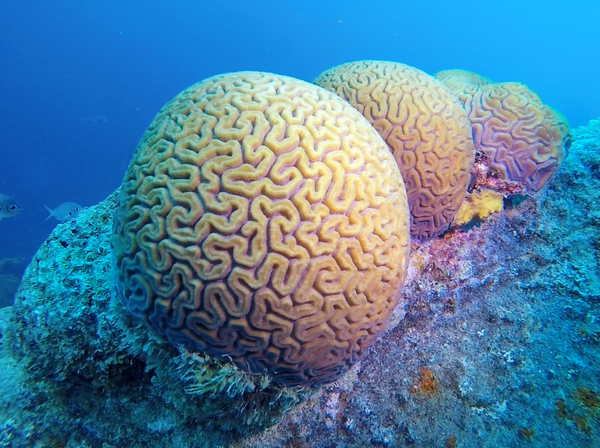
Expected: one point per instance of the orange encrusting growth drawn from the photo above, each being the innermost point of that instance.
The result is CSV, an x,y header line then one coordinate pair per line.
x,y
480,204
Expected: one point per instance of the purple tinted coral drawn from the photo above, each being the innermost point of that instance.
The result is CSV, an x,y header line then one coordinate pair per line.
x,y
515,134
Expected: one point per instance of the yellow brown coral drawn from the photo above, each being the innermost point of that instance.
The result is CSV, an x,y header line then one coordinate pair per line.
x,y
516,135
263,219
425,127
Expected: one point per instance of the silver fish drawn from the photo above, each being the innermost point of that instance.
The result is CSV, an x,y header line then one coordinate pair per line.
x,y
65,211
8,207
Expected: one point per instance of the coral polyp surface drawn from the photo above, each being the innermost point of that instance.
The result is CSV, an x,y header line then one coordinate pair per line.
x,y
519,137
264,220
426,129
457,80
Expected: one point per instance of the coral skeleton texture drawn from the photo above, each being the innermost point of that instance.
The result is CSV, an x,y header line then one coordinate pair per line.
x,y
263,219
424,126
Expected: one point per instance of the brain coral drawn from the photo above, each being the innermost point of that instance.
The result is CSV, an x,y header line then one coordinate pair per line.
x,y
521,139
425,127
264,220
457,80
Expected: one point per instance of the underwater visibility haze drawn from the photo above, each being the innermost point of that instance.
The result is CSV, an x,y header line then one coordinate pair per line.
x,y
299,224
82,79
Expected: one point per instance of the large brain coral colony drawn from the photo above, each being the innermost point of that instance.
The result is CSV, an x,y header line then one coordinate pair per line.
x,y
263,219
426,129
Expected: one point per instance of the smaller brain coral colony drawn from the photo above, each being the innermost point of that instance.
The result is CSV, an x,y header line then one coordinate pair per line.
x,y
264,220
519,141
424,126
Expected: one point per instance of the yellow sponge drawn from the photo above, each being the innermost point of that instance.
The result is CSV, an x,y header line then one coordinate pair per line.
x,y
481,203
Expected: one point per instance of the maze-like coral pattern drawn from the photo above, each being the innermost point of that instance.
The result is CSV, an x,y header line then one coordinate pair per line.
x,y
425,127
457,80
519,137
263,219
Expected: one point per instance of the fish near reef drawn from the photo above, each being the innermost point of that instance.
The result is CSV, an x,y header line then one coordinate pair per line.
x,y
64,212
8,207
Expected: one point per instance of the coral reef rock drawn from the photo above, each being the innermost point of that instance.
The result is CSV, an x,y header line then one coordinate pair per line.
x,y
498,343
11,271
85,373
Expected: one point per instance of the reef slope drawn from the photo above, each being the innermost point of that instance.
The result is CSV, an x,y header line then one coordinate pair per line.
x,y
497,345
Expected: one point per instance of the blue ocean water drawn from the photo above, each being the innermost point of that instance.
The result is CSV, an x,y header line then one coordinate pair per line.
x,y
82,79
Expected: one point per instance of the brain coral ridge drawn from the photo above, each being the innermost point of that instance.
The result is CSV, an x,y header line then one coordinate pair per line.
x,y
263,219
517,135
425,127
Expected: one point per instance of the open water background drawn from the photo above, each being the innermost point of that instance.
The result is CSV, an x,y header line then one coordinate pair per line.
x,y
80,80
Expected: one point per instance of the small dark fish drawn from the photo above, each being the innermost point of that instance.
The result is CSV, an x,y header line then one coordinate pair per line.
x,y
68,210
8,207
95,119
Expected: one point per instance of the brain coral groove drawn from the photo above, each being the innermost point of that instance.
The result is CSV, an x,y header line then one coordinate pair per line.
x,y
425,127
263,219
